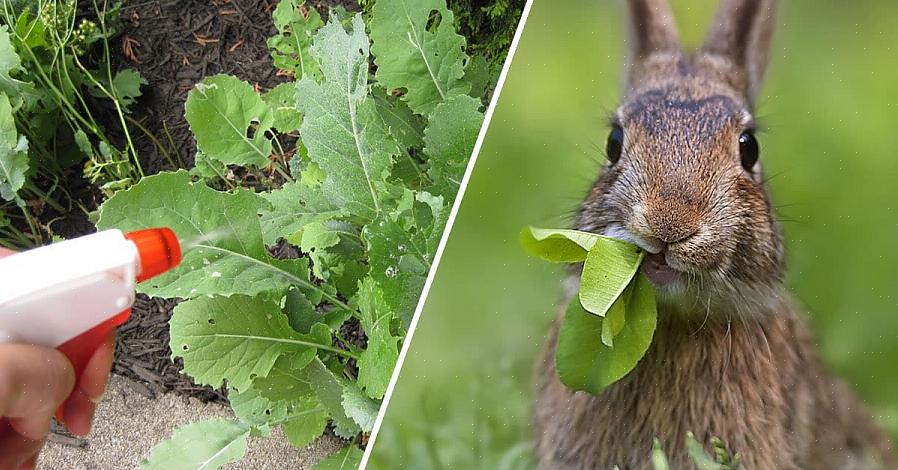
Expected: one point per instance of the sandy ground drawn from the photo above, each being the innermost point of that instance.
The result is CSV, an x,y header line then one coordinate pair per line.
x,y
128,425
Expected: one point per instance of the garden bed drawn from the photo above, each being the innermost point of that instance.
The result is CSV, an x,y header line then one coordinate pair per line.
x,y
174,44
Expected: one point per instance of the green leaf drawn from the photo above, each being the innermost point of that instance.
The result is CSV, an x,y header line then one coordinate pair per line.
x,y
200,445
558,246
428,63
220,234
287,379
303,427
609,267
229,120
401,246
125,86
237,339
255,409
377,362
285,396
614,321
291,208
404,125
478,74
290,47
9,64
341,128
449,141
349,458
13,154
359,407
205,167
329,390
584,363
282,101
659,459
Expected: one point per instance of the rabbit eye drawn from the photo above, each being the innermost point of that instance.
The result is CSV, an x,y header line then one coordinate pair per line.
x,y
748,150
615,144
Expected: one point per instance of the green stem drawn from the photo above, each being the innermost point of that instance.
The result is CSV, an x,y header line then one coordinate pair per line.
x,y
296,279
322,347
156,142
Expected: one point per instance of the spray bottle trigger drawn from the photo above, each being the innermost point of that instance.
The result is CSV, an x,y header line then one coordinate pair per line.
x,y
81,348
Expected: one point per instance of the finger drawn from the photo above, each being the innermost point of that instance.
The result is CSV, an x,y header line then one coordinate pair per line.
x,y
17,451
6,252
93,380
81,406
33,382
79,413
31,463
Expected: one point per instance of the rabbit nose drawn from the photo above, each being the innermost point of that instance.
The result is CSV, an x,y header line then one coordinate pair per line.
x,y
672,220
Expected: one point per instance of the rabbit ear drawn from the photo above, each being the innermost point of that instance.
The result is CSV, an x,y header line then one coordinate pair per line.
x,y
653,30
741,33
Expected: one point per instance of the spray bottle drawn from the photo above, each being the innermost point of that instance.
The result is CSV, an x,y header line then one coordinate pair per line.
x,y
70,295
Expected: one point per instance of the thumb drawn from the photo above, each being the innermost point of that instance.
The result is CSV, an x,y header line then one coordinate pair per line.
x,y
33,382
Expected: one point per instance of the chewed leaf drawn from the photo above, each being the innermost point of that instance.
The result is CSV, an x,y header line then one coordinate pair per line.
x,y
237,339
558,246
205,444
230,121
609,267
584,363
419,51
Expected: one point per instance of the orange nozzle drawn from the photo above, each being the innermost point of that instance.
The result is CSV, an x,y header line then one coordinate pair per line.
x,y
158,249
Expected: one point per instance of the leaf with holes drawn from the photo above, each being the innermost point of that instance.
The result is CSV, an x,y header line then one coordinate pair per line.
x,y
230,121
282,100
417,50
341,128
237,339
401,247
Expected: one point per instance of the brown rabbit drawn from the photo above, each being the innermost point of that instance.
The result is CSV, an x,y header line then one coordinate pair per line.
x,y
732,356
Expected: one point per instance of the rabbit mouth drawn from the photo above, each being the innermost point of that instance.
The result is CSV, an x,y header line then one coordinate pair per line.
x,y
660,273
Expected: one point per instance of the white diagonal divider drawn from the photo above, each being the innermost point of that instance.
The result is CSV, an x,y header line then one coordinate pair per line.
x,y
451,221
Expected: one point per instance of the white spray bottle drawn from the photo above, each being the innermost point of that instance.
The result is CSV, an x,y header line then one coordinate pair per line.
x,y
70,295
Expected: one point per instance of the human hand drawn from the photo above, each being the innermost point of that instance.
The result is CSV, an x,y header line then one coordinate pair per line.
x,y
34,381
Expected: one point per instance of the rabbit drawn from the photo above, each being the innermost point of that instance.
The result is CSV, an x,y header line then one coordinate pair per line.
x,y
732,356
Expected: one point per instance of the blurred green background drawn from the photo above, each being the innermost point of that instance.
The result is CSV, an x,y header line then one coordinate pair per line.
x,y
830,111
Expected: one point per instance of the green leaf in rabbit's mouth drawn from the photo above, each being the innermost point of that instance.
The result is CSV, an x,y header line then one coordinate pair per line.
x,y
609,326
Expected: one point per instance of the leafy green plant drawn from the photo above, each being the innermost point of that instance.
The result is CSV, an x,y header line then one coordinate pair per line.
x,y
609,326
46,87
311,339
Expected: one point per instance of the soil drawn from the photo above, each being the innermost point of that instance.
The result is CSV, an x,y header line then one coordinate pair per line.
x,y
176,43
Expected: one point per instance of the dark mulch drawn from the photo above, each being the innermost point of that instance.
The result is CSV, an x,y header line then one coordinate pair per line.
x,y
176,43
